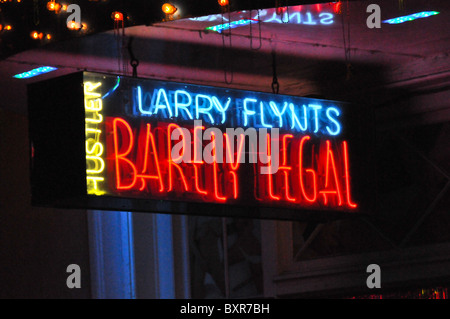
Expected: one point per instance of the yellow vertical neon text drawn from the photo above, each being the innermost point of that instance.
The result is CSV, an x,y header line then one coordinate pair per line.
x,y
95,164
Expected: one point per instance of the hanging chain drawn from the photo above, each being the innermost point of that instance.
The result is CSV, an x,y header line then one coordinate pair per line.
x,y
226,59
133,61
36,12
281,8
124,48
275,84
251,35
119,33
347,48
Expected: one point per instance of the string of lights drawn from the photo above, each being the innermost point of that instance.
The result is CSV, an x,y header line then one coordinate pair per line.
x,y
29,24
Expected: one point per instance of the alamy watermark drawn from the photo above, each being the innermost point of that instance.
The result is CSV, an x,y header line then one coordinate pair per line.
x,y
374,279
74,279
262,146
75,15
374,19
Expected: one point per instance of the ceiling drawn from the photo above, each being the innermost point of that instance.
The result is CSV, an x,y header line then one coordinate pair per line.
x,y
316,52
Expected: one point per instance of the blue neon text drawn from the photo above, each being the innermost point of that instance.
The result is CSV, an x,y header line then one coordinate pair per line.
x,y
246,111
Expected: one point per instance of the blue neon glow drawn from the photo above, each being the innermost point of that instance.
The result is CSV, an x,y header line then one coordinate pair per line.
x,y
337,130
411,17
248,112
259,111
294,16
139,100
310,20
203,110
220,108
294,118
35,72
316,109
179,102
162,92
231,25
277,112
326,18
113,89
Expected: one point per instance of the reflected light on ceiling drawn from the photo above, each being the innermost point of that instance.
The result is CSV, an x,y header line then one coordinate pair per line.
x,y
34,72
411,17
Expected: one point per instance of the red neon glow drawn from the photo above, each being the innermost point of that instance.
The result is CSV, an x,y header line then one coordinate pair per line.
x,y
215,169
337,7
256,184
270,175
280,10
286,187
234,162
235,185
285,168
330,163
121,127
150,140
311,173
197,143
197,187
347,176
170,160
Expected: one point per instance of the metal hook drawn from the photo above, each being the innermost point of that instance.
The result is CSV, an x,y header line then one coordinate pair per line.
x,y
133,61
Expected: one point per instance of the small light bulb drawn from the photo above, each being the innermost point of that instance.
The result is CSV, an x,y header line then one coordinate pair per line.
x,y
57,8
117,16
72,25
51,5
168,8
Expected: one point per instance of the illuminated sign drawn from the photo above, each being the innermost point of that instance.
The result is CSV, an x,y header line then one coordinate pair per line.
x,y
302,15
136,144
34,72
411,17
231,25
95,164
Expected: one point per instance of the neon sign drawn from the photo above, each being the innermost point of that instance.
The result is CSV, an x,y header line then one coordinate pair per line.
x,y
170,147
285,113
95,163
411,17
312,174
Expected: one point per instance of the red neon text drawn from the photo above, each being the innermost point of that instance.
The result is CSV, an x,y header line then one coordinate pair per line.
x,y
312,173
